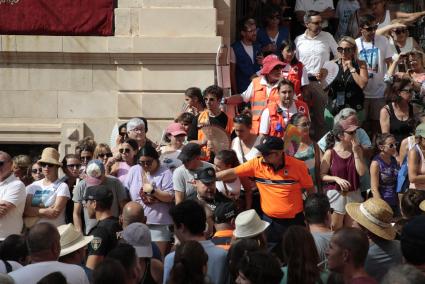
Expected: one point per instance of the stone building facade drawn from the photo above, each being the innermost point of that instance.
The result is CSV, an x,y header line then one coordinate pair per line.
x,y
58,89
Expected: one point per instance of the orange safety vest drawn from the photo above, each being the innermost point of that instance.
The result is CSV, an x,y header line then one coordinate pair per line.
x,y
277,123
259,101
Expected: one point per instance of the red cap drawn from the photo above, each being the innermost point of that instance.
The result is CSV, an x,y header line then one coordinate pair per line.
x,y
175,129
270,62
350,123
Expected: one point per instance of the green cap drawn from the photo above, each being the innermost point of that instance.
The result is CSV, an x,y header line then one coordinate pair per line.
x,y
420,130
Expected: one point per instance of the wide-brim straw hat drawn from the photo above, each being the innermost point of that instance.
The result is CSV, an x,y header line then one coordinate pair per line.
x,y
375,215
248,224
422,205
50,156
71,239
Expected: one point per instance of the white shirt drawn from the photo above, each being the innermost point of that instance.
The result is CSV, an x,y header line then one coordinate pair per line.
x,y
315,5
374,54
249,49
314,52
45,196
12,190
237,147
249,92
234,188
406,48
15,266
344,10
32,273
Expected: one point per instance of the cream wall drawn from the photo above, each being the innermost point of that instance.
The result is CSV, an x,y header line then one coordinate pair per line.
x,y
57,89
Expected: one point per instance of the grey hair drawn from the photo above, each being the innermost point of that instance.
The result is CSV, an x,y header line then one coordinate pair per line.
x,y
404,274
134,123
344,113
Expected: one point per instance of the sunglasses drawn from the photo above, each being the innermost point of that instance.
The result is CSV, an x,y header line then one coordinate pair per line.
x,y
351,132
391,145
103,155
304,124
370,29
73,166
45,165
35,171
346,49
399,31
147,163
124,150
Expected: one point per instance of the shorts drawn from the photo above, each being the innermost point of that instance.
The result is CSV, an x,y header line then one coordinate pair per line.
x,y
372,108
160,233
338,201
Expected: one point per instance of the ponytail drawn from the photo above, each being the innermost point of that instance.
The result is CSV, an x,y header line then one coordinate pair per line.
x,y
330,140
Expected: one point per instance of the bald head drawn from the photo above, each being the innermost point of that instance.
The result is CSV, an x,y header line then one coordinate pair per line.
x,y
5,165
5,156
132,213
44,238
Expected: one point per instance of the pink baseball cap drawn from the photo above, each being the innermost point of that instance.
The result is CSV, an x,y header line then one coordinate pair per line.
x,y
270,62
175,129
351,123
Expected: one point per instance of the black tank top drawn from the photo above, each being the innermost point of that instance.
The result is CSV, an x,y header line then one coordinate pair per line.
x,y
400,129
147,276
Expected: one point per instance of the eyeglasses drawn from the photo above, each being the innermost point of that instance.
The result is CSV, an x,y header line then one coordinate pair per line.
x,y
139,130
351,132
316,23
210,99
103,155
124,150
86,158
370,29
407,91
147,163
304,124
45,165
35,171
346,49
73,166
400,31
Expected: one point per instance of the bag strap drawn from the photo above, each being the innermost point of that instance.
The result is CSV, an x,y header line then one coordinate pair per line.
x,y
8,266
317,164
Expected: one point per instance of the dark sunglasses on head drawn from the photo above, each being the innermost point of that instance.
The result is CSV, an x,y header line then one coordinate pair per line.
x,y
400,31
342,49
371,29
103,155
304,124
35,171
44,165
124,150
146,163
73,166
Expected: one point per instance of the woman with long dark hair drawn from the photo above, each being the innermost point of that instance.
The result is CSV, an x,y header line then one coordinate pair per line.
x,y
190,264
301,258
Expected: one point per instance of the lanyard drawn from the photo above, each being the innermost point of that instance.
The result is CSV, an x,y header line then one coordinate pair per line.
x,y
365,53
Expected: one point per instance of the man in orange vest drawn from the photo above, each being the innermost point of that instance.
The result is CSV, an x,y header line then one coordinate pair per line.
x,y
262,90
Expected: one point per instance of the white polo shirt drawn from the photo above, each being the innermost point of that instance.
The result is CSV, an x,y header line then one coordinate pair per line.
x,y
314,52
315,5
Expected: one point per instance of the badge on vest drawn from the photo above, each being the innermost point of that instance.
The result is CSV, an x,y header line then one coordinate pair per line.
x,y
95,243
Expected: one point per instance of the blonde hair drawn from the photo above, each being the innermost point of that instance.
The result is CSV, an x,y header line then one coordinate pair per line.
x,y
351,41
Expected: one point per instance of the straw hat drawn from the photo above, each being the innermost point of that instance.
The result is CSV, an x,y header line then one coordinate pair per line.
x,y
248,224
375,215
50,156
422,205
71,239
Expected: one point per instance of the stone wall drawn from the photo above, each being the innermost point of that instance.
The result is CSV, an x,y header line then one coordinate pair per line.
x,y
78,86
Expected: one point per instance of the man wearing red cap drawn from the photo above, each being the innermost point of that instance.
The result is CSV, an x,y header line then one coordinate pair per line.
x,y
262,90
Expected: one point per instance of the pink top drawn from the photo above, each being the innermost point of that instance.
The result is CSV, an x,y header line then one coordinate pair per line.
x,y
123,169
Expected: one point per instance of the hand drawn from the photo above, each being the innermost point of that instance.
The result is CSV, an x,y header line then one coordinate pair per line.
x,y
259,59
49,213
322,74
343,184
348,64
3,209
110,161
355,144
148,188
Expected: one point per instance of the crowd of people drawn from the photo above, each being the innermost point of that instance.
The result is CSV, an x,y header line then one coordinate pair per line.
x,y
318,178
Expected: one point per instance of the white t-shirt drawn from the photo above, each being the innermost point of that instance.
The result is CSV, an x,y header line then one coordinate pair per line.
x,y
374,54
287,113
236,146
184,179
249,92
406,48
12,190
314,52
315,5
44,196
233,187
32,273
344,10
248,49
15,266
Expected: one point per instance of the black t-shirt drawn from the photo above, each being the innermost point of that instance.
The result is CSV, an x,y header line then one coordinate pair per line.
x,y
105,236
219,120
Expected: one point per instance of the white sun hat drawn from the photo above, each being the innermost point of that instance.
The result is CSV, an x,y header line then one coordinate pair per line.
x,y
71,239
248,224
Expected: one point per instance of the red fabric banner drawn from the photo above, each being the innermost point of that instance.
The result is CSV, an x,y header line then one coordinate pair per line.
x,y
57,17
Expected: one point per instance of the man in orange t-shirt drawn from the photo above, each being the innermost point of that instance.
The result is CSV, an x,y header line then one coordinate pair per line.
x,y
280,180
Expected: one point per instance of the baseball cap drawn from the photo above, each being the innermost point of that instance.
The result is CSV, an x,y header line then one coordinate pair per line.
x,y
420,130
95,171
270,62
206,175
175,129
224,212
189,152
139,236
97,192
351,123
270,143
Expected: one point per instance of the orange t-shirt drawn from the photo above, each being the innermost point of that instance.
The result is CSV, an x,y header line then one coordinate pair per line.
x,y
280,191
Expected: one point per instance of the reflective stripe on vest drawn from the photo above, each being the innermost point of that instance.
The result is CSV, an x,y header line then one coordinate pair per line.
x,y
275,182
